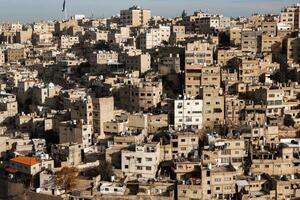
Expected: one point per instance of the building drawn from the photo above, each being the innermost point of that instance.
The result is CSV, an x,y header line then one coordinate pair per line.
x,y
142,161
135,16
290,15
76,132
26,165
188,114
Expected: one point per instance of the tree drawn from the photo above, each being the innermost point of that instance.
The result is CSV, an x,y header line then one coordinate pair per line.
x,y
183,14
288,120
105,170
66,178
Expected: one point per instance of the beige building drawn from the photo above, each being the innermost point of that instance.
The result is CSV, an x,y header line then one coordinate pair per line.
x,y
75,132
213,106
293,46
15,54
142,162
136,61
290,15
66,41
251,41
103,111
135,16
218,182
2,57
103,58
199,52
26,165
145,95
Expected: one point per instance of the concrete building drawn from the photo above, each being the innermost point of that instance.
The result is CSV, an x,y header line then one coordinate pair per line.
x,y
142,162
76,132
213,106
66,42
218,181
26,165
103,111
135,16
188,114
290,15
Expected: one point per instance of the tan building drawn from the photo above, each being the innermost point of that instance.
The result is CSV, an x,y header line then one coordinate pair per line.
x,y
75,132
66,41
290,15
218,182
213,106
26,165
136,61
293,46
15,54
103,58
145,95
2,57
142,162
251,41
199,52
201,75
135,16
103,111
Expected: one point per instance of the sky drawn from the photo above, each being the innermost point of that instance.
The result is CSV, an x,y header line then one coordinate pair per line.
x,y
35,10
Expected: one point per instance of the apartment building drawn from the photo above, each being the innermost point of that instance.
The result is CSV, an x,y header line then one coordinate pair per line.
x,y
103,58
290,15
103,111
269,28
15,54
66,41
251,41
293,46
184,144
26,165
199,52
135,16
177,34
154,37
213,106
224,152
142,161
68,154
226,54
44,92
233,106
145,95
75,132
2,58
218,182
188,113
273,98
8,107
136,61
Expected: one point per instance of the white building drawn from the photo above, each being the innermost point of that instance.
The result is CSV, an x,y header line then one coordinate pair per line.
x,y
188,113
154,37
142,162
67,41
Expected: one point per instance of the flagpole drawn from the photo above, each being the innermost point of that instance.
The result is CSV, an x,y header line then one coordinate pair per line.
x,y
66,14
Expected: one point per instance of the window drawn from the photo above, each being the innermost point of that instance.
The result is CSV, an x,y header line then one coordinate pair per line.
x,y
148,168
148,159
217,179
126,166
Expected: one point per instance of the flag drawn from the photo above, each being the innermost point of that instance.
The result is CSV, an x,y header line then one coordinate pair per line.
x,y
64,6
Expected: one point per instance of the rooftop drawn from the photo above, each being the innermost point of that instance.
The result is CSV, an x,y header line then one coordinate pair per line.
x,y
29,161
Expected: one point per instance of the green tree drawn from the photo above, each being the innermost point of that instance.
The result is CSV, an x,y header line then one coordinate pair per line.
x,y
183,14
105,170
288,120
